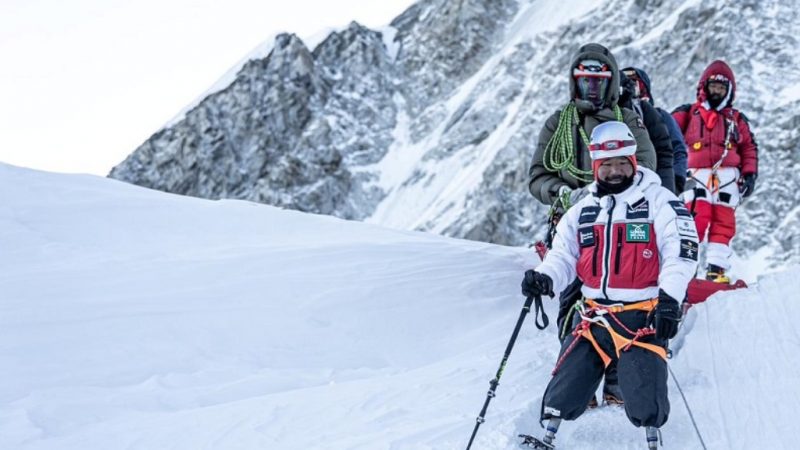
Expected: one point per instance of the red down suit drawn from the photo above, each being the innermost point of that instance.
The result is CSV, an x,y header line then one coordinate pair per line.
x,y
708,131
721,148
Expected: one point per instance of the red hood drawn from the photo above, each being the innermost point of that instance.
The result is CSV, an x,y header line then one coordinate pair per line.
x,y
715,68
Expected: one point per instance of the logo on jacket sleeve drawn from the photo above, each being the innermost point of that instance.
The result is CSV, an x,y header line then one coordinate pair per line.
x,y
589,214
638,210
586,236
679,208
637,232
688,249
686,227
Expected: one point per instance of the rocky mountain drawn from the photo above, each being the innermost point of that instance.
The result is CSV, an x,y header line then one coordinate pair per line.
x,y
430,123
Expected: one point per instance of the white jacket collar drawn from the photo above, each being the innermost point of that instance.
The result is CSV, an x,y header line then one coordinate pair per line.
x,y
643,179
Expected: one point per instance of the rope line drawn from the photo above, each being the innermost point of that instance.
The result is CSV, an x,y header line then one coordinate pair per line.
x,y
559,154
686,403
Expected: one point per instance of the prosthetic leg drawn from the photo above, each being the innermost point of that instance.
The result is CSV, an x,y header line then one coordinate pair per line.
x,y
546,443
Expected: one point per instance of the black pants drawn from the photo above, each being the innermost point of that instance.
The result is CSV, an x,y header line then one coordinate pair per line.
x,y
642,376
568,298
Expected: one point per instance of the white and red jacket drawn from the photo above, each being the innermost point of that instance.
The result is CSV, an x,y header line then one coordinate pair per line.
x,y
624,247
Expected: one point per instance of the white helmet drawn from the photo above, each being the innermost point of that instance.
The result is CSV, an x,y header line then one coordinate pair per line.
x,y
612,139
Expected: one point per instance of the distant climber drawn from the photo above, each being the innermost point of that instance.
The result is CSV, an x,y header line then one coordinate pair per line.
x,y
723,162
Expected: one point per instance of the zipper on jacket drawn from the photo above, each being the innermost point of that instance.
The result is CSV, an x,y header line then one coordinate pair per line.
x,y
594,255
702,122
607,248
619,250
579,140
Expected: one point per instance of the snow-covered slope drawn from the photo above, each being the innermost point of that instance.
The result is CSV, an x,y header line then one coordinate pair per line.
x,y
135,319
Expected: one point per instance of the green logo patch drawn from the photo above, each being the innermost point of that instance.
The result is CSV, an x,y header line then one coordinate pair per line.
x,y
637,232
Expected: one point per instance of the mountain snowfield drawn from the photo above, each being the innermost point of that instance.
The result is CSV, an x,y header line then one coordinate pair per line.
x,y
136,319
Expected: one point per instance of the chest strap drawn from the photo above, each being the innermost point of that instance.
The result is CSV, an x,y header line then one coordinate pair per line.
x,y
644,305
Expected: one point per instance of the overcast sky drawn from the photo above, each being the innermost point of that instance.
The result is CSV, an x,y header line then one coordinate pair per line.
x,y
85,82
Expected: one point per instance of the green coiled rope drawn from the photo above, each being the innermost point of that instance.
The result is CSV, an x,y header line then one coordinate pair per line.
x,y
565,327
560,151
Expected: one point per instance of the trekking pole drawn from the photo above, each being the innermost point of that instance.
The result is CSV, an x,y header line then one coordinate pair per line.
x,y
493,384
688,409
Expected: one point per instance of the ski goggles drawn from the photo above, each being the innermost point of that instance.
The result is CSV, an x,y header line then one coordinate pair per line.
x,y
611,145
591,71
719,78
591,68
630,73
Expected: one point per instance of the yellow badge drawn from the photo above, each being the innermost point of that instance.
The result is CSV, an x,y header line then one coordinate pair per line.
x,y
697,145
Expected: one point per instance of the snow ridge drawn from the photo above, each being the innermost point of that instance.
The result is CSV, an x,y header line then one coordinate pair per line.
x,y
138,319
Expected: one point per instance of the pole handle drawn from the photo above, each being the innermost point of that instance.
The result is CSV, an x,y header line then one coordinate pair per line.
x,y
539,310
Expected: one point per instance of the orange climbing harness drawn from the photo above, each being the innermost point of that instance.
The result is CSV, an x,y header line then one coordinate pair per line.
x,y
594,313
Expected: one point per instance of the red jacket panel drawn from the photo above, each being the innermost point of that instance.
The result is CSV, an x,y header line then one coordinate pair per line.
x,y
706,144
633,264
590,260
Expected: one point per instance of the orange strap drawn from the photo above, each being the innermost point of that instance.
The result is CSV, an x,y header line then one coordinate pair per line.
x,y
713,183
622,343
587,333
644,305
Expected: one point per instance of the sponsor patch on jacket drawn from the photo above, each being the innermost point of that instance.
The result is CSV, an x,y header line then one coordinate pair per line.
x,y
586,236
680,208
589,214
688,249
638,210
637,232
686,227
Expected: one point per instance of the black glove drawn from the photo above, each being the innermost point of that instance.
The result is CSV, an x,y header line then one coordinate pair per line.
x,y
627,90
747,184
680,183
665,317
537,284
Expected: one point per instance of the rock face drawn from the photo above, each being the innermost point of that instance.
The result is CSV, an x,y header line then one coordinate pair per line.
x,y
430,124
288,131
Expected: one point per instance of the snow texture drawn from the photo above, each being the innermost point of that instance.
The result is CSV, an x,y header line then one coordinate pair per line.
x,y
137,319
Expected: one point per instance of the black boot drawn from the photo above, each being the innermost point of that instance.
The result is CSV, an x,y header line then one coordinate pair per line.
x,y
716,274
612,394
